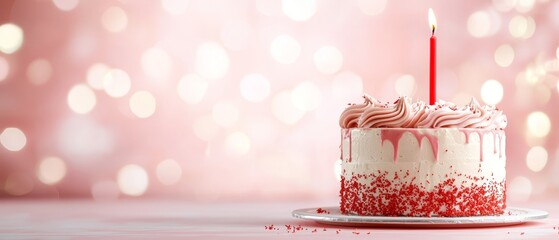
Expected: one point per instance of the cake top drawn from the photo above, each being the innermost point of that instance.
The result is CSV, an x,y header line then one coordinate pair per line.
x,y
404,114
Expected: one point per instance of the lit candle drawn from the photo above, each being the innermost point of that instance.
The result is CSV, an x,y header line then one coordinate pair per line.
x,y
433,59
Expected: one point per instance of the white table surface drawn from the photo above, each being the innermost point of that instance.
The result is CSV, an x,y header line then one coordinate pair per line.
x,y
163,219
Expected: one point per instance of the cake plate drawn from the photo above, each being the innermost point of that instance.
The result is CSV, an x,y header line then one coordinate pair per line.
x,y
333,216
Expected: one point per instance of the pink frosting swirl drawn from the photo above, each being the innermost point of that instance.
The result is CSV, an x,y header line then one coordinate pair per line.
x,y
419,113
403,114
388,116
473,115
351,114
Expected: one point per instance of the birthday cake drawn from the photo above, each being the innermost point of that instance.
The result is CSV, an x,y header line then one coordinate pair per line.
x,y
415,159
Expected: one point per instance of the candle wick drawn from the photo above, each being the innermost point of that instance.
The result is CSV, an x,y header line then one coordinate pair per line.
x,y
433,31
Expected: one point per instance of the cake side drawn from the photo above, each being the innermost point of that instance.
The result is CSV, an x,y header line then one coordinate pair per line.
x,y
423,172
414,159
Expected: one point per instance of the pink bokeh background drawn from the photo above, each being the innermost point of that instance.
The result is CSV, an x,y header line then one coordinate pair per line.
x,y
220,99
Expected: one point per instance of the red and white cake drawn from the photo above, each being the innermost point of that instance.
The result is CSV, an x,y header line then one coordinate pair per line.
x,y
414,159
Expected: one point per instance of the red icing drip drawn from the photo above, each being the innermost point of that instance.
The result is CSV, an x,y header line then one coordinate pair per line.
x,y
378,195
346,133
434,144
350,144
466,134
342,145
480,145
497,134
394,135
500,144
494,143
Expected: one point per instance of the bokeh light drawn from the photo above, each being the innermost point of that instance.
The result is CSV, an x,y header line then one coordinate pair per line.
x,y
114,19
372,7
18,184
251,83
522,27
285,49
39,71
51,170
156,63
519,189
225,114
524,5
536,158
492,92
13,139
542,93
255,87
212,61
11,38
518,26
84,139
405,85
175,7
132,180
306,96
237,143
299,10
328,59
81,99
482,24
96,75
504,5
284,108
192,88
205,128
504,55
142,104
116,83
66,5
538,124
168,172
4,69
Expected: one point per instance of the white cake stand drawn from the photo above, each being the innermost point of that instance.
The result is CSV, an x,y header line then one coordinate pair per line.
x,y
333,216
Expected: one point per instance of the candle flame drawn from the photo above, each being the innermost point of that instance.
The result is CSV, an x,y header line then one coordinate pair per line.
x,y
432,20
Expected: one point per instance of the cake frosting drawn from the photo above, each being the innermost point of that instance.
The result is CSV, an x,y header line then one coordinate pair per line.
x,y
414,159
405,114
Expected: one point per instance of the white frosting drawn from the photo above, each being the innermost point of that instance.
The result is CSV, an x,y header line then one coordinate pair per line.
x,y
456,159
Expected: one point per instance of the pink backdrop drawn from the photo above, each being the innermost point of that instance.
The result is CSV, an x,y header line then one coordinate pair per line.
x,y
223,99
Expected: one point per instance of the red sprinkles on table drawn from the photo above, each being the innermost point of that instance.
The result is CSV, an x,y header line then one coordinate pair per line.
x,y
320,211
295,229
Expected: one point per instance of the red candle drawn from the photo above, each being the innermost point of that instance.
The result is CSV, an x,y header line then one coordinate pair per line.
x,y
433,59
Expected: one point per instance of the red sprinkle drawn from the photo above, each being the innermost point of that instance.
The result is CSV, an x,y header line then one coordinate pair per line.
x,y
377,194
320,211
